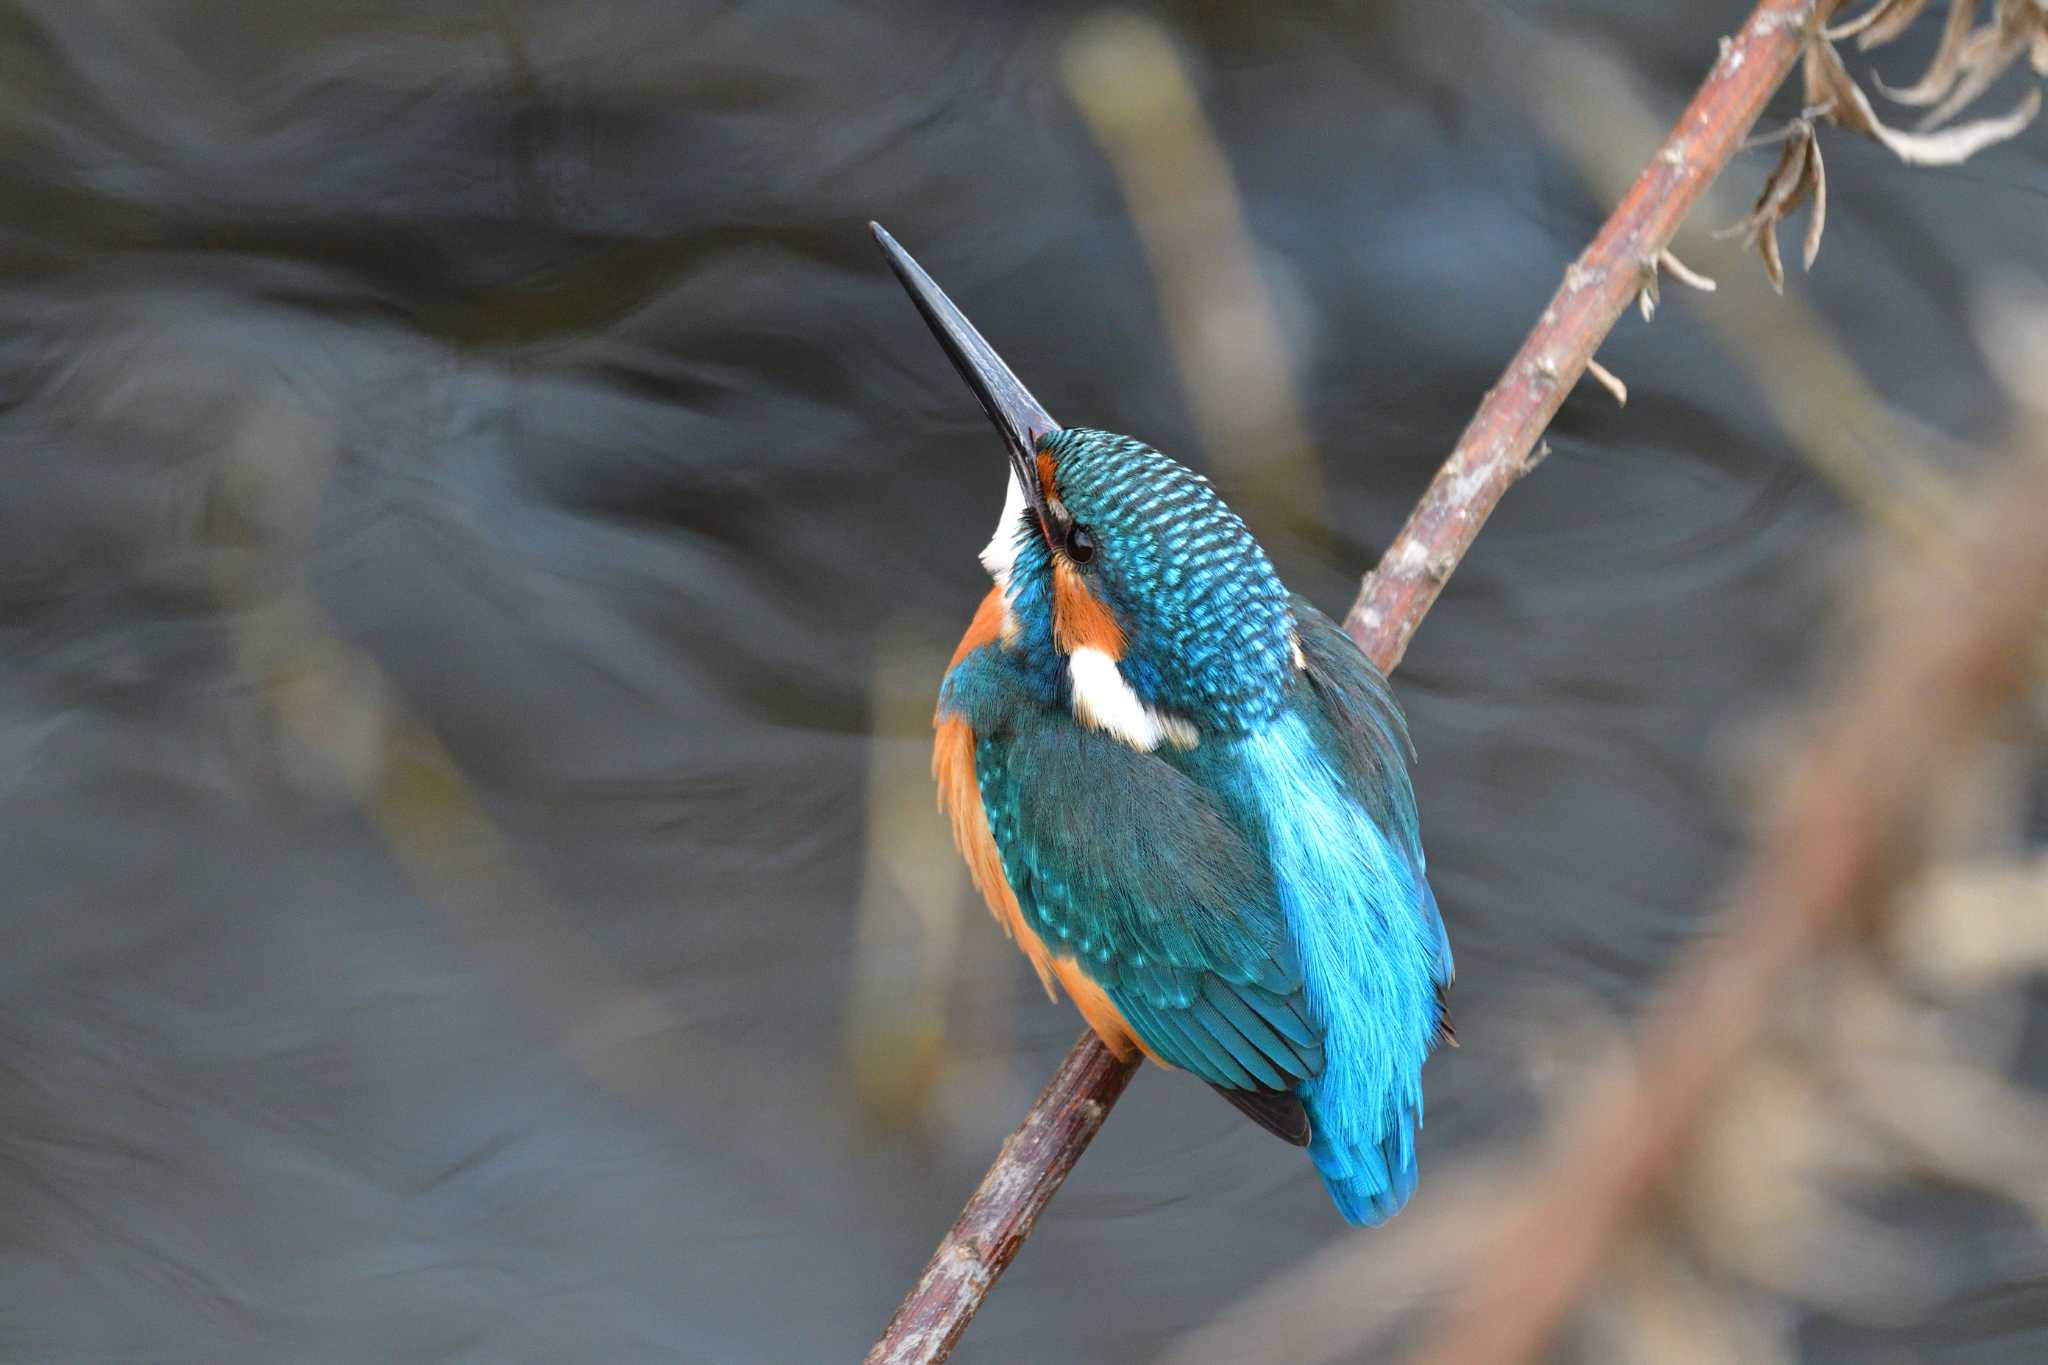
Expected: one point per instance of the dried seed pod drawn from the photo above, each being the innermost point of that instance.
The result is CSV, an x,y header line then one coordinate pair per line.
x,y
1796,177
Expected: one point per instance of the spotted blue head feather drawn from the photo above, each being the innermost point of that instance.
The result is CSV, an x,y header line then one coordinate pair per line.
x,y
1207,628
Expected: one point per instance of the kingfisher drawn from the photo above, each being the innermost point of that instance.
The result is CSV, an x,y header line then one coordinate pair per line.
x,y
1183,791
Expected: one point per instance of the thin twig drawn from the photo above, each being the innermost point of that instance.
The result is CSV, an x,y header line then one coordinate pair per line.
x,y
1498,447
1494,451
1000,1213
1856,439
1608,380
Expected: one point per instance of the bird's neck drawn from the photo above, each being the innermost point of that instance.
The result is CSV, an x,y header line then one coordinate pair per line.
x,y
1027,636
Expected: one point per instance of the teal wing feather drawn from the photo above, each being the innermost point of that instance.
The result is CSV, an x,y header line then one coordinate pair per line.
x,y
1123,863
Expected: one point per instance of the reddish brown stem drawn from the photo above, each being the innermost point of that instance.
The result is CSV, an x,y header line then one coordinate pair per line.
x,y
1500,443
1494,451
1000,1213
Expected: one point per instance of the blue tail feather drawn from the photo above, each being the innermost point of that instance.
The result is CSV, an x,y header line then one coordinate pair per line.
x,y
1368,1183
1373,956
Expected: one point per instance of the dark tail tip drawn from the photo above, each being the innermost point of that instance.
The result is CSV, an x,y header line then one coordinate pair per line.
x,y
1279,1112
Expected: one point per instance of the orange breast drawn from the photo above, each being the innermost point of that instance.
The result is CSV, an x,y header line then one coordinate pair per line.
x,y
960,798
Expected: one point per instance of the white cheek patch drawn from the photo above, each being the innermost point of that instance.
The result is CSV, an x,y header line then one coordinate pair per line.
x,y
1001,551
1104,701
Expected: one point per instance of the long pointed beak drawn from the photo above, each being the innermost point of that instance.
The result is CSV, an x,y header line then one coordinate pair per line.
x,y
1020,418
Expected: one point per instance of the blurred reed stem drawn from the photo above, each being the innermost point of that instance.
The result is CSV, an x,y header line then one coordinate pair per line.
x,y
1139,98
1948,651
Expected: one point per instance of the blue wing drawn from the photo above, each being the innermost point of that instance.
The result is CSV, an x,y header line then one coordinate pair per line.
x,y
1123,863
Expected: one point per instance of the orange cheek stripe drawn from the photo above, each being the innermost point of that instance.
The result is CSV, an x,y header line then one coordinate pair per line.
x,y
1080,618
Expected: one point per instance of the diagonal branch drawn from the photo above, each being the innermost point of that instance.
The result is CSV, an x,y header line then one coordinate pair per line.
x,y
1497,448
1500,444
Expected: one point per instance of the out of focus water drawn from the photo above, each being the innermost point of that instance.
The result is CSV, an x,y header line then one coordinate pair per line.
x,y
476,514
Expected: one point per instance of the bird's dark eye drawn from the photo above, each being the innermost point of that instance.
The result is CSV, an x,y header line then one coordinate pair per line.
x,y
1080,544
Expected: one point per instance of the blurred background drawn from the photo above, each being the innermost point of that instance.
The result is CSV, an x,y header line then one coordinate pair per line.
x,y
482,530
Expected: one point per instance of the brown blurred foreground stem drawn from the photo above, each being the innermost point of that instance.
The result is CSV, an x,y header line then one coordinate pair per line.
x,y
1497,448
1950,649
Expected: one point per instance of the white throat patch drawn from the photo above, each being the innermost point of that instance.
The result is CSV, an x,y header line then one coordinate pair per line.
x,y
1001,551
1103,700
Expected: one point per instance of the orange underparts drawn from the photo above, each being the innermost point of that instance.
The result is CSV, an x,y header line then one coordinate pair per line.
x,y
960,798
985,629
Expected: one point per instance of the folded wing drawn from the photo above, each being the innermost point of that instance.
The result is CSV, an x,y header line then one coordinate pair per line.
x,y
1124,865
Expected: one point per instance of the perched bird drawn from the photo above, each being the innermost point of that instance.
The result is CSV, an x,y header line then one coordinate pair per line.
x,y
1184,792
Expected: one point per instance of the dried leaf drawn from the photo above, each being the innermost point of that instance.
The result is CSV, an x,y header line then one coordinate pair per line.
x,y
1986,55
1900,18
1888,18
1831,90
1787,186
1817,221
1976,926
1941,73
1953,145
1834,94
1774,268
